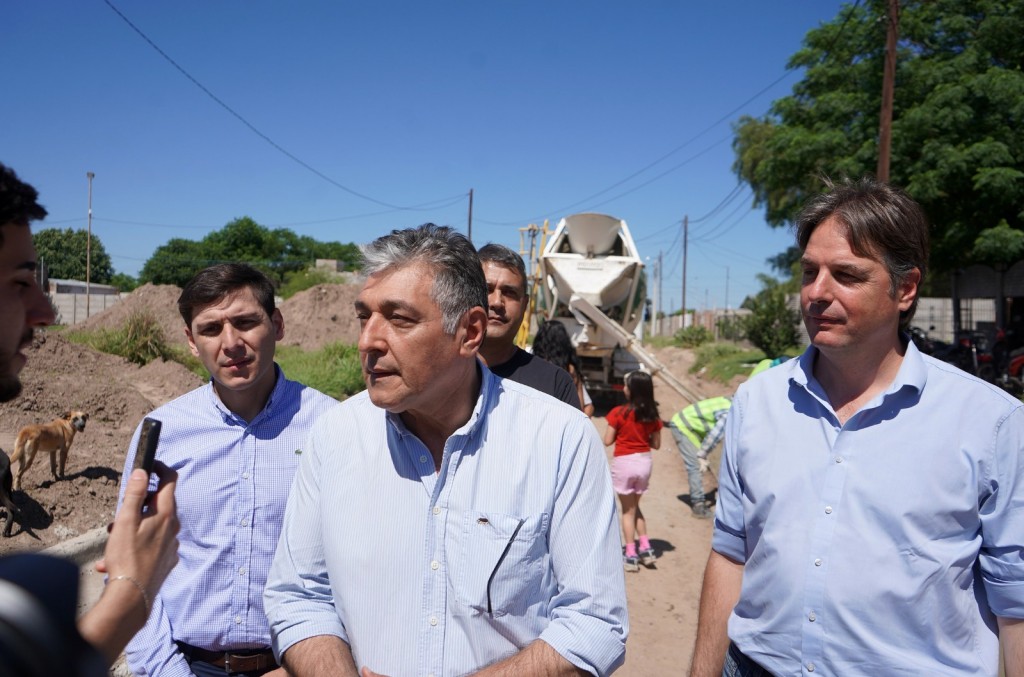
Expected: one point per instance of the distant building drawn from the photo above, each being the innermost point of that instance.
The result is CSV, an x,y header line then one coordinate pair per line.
x,y
70,301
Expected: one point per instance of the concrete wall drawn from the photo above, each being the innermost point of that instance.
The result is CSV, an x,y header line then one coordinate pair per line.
x,y
71,306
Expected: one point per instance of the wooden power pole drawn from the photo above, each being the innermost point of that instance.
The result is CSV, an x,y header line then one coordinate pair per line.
x,y
888,91
686,237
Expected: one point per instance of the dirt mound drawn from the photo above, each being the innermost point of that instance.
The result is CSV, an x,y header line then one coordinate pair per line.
x,y
116,394
320,315
159,300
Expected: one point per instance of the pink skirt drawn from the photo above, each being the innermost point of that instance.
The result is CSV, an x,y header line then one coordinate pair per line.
x,y
631,473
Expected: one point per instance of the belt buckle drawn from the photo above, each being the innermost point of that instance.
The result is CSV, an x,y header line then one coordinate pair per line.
x,y
227,662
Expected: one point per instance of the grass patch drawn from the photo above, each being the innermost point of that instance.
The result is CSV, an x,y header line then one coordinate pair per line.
x,y
333,370
660,341
139,340
723,361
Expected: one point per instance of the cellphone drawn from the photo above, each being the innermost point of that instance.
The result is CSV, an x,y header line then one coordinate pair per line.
x,y
145,452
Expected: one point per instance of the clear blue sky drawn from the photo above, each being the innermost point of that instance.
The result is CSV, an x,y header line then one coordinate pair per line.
x,y
543,108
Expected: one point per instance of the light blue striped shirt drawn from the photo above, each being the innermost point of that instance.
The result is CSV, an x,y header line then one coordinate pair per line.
x,y
233,482
883,546
425,573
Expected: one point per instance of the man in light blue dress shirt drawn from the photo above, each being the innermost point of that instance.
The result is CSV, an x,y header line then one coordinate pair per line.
x,y
870,513
235,443
445,521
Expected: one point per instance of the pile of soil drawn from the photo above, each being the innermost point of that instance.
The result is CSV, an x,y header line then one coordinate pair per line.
x,y
158,300
312,318
61,376
320,315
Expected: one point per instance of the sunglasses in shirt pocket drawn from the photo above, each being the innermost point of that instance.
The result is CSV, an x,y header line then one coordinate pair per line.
x,y
497,562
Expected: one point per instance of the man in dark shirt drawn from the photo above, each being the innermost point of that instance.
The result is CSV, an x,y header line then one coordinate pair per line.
x,y
506,306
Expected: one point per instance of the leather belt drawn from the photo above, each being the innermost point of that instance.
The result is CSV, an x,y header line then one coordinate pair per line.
x,y
241,660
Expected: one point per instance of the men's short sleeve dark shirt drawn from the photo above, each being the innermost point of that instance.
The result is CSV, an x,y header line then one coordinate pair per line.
x,y
540,375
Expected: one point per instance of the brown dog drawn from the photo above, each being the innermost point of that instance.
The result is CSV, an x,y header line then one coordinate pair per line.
x,y
55,436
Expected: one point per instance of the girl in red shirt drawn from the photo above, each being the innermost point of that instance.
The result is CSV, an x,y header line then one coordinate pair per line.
x,y
635,428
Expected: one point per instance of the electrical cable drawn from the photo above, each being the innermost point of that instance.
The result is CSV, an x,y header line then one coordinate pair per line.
x,y
252,127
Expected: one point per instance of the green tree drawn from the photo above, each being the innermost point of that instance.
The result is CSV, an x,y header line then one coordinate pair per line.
x,y
278,252
175,263
64,254
958,120
771,325
124,282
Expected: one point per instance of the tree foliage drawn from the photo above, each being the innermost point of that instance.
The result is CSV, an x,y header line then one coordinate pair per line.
x,y
279,253
958,119
64,254
771,325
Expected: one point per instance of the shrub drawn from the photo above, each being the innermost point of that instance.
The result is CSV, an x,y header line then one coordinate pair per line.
x,y
692,336
306,279
140,340
772,325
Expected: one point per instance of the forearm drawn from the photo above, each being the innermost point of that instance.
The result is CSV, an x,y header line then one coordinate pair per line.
x,y
538,659
320,655
1011,638
723,579
114,619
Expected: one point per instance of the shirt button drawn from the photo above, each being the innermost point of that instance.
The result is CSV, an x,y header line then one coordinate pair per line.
x,y
241,571
811,617
244,523
238,620
245,476
817,562
810,667
423,459
434,565
433,620
437,510
839,459
828,509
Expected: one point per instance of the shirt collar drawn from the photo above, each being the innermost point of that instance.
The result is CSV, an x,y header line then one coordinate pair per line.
x,y
275,396
488,389
912,373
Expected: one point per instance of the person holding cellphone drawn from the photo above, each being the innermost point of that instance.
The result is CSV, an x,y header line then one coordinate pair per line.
x,y
141,550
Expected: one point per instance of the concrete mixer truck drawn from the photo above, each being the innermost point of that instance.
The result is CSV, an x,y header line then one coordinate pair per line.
x,y
591,279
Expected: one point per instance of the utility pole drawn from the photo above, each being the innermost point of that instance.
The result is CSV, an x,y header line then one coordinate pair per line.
x,y
469,229
661,276
888,91
686,242
727,289
88,248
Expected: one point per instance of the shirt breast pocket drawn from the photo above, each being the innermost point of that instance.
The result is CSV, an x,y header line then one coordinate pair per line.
x,y
497,562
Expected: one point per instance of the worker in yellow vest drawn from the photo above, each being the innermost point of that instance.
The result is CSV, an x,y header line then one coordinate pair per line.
x,y
697,429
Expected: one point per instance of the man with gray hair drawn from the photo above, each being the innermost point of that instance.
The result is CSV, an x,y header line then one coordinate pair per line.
x,y
869,516
507,301
429,531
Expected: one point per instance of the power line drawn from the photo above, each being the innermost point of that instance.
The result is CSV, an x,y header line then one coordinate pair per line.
x,y
252,127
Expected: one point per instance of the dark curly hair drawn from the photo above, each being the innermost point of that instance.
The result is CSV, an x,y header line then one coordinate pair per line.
x,y
552,343
18,200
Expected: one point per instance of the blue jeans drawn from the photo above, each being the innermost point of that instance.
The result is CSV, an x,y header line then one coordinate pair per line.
x,y
738,665
689,454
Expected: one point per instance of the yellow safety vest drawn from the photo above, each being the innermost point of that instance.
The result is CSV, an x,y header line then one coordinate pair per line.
x,y
696,420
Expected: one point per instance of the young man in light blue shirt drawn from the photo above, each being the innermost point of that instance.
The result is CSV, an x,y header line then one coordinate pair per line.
x,y
235,443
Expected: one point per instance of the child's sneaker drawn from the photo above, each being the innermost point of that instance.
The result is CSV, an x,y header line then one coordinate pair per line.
x,y
647,557
630,563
